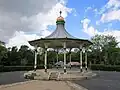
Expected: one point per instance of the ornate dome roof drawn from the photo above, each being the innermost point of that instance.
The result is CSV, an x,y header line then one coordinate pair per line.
x,y
60,31
60,18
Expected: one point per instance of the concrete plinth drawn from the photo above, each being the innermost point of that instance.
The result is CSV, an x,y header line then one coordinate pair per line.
x,y
58,74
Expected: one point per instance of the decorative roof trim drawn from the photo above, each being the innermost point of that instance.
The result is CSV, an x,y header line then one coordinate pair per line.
x,y
60,22
60,39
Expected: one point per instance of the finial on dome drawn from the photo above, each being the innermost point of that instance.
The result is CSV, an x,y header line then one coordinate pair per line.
x,y
60,19
60,13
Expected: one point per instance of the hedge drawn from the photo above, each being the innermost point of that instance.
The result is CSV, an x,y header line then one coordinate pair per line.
x,y
20,68
105,67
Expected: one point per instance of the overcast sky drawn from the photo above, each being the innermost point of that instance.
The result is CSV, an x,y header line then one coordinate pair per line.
x,y
23,20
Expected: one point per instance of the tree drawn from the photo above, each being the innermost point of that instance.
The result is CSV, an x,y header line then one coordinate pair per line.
x,y
3,54
102,48
14,56
26,55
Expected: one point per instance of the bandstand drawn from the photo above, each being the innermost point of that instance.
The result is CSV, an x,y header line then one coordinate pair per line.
x,y
61,39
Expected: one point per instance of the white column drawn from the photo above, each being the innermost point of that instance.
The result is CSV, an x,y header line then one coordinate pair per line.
x,y
70,59
57,59
86,59
81,58
35,63
45,58
64,57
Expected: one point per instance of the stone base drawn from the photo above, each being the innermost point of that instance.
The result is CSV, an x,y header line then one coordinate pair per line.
x,y
57,75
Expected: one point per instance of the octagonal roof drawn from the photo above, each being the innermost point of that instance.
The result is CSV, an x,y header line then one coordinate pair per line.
x,y
60,31
59,36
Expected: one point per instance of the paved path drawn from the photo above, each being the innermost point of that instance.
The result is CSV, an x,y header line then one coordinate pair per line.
x,y
105,81
42,85
11,77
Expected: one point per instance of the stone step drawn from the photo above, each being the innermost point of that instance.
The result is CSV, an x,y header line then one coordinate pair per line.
x,y
53,76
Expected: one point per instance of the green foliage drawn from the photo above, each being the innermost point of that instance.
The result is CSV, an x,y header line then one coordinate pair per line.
x,y
52,57
26,55
21,68
104,50
15,68
105,67
3,54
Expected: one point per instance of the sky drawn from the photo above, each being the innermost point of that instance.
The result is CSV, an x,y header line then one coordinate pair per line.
x,y
25,20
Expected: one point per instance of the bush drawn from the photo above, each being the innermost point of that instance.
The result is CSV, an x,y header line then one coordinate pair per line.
x,y
105,67
40,66
15,68
1,68
21,68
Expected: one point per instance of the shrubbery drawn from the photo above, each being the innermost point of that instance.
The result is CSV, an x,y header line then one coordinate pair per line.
x,y
15,68
105,67
21,68
28,68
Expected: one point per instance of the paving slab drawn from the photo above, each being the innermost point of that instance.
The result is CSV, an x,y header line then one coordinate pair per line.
x,y
44,85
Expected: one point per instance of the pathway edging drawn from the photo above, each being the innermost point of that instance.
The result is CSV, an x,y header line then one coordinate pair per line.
x,y
75,86
14,84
